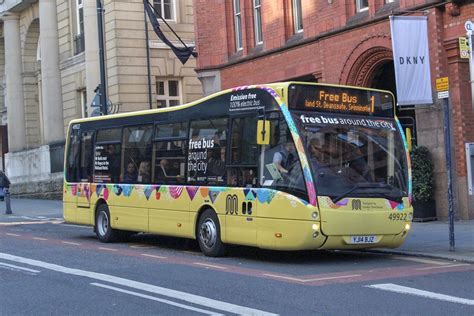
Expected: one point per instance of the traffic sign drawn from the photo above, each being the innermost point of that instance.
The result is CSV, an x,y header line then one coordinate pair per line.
x,y
442,84
463,48
469,26
443,94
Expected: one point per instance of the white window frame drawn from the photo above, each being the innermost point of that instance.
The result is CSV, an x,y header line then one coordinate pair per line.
x,y
257,21
173,10
79,6
238,25
83,100
360,8
166,97
297,16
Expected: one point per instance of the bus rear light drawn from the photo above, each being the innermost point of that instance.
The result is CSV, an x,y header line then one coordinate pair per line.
x,y
278,235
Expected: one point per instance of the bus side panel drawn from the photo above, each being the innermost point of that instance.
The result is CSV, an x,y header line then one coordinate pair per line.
x,y
69,202
169,211
293,234
241,215
127,205
73,211
84,213
285,222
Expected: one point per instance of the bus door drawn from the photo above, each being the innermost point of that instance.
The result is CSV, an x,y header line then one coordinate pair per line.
x,y
242,172
85,178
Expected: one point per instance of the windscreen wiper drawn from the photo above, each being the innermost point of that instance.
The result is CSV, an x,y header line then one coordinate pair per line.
x,y
362,186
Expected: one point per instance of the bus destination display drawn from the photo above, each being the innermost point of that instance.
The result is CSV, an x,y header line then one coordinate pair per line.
x,y
340,100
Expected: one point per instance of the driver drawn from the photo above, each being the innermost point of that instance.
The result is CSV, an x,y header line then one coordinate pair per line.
x,y
285,157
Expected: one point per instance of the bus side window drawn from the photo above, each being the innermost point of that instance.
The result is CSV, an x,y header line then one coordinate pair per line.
x,y
107,155
207,142
73,156
136,154
86,157
169,153
244,152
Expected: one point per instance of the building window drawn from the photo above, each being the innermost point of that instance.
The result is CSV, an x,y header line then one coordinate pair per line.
x,y
79,36
257,16
238,25
297,16
362,5
166,9
168,93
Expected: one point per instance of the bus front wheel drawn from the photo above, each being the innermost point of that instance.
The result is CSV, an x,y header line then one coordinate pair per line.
x,y
209,234
103,230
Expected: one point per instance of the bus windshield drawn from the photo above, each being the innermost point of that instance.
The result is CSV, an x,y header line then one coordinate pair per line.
x,y
360,157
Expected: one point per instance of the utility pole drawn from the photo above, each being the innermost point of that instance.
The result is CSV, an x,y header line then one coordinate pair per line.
x,y
103,80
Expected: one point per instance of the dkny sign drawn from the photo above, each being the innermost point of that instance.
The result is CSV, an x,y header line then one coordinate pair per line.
x,y
411,59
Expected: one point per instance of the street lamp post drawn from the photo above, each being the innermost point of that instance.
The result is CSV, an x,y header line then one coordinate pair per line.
x,y
103,83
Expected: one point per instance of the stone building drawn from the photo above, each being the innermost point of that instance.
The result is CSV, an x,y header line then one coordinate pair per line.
x,y
345,42
49,69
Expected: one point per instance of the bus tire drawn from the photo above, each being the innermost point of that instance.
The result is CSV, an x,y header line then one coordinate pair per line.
x,y
209,234
103,230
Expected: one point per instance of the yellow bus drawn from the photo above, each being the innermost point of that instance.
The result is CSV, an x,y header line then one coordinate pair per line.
x,y
285,166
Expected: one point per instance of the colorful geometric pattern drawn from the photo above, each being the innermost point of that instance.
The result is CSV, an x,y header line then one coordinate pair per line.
x,y
407,152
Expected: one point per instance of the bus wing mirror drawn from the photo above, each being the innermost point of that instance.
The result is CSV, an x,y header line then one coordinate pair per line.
x,y
263,132
409,139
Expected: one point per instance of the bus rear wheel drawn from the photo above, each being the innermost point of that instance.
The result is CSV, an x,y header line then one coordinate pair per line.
x,y
103,230
209,234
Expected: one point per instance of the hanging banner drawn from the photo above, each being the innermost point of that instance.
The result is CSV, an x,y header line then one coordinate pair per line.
x,y
411,59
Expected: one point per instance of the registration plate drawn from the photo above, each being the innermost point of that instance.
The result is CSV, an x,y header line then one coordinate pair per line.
x,y
363,240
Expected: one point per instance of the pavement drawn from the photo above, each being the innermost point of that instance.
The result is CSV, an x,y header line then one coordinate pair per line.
x,y
425,239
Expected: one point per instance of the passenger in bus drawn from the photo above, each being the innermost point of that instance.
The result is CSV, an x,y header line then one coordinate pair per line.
x,y
216,163
114,163
130,175
144,175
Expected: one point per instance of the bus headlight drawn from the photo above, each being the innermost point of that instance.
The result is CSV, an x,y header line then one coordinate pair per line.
x,y
407,226
315,227
314,215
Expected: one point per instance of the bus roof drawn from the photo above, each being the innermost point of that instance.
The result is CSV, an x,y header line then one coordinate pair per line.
x,y
278,87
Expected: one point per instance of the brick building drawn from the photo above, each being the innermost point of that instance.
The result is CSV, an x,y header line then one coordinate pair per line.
x,y
344,42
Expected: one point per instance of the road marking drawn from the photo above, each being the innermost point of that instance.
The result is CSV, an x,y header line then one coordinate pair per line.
x,y
209,265
18,268
156,299
71,243
153,256
421,260
443,267
108,249
39,238
10,234
140,246
183,296
29,223
411,291
313,280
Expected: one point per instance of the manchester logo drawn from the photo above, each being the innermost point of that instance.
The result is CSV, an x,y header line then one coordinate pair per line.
x,y
232,205
356,205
